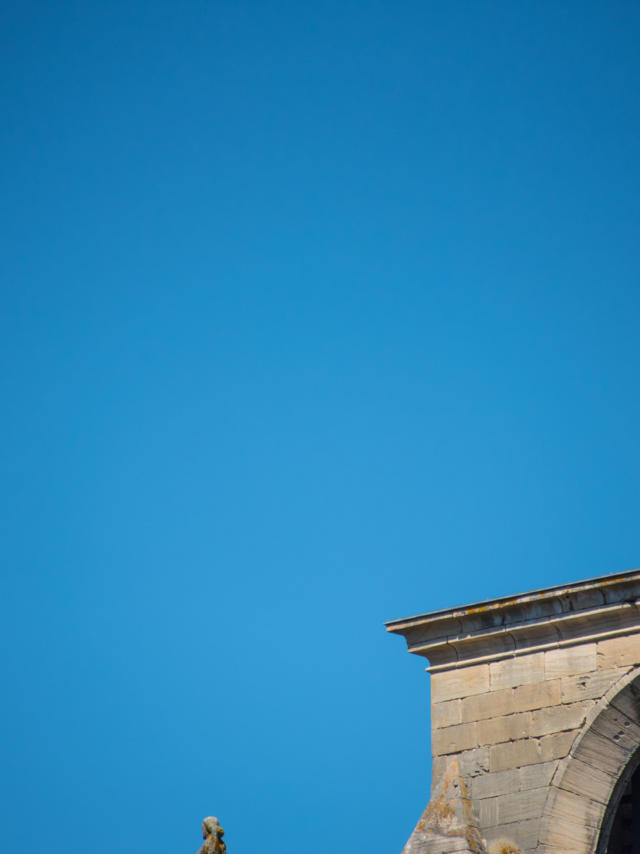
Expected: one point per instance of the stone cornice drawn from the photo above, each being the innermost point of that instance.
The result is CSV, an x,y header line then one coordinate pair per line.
x,y
553,617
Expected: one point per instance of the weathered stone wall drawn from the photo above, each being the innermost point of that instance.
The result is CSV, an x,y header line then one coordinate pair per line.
x,y
510,722
535,713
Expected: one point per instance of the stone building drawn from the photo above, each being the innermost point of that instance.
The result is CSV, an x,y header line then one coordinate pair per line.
x,y
535,721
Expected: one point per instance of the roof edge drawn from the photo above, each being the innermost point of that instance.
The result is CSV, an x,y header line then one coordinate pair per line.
x,y
517,599
584,611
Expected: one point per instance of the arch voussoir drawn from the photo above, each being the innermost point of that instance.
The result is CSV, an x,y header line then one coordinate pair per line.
x,y
603,757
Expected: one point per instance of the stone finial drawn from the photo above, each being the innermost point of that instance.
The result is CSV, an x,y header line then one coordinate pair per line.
x,y
212,834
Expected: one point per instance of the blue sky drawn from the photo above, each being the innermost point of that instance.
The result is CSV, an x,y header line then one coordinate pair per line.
x,y
314,315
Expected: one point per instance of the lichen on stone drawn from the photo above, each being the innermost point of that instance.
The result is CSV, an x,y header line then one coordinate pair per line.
x,y
212,834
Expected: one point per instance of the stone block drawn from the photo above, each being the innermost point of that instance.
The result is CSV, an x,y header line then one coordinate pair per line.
x,y
514,754
474,763
616,726
628,701
536,696
522,670
537,776
524,834
453,739
587,686
589,781
559,718
507,728
600,752
482,706
444,845
491,785
508,701
619,652
569,836
511,807
577,809
453,684
487,811
569,660
446,714
515,780
556,746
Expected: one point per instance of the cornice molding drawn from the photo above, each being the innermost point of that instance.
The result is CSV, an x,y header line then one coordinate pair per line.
x,y
553,617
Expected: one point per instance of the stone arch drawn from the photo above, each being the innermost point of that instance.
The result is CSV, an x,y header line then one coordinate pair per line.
x,y
589,782
612,810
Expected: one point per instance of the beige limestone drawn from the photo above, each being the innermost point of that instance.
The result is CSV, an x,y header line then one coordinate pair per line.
x,y
511,673
447,713
460,683
618,652
558,718
506,728
536,702
567,661
453,739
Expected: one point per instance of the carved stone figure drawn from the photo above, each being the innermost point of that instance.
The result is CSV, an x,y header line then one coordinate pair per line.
x,y
212,834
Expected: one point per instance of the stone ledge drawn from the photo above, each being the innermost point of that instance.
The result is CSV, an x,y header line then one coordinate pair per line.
x,y
556,618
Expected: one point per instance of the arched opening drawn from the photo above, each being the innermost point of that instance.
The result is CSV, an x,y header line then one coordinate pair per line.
x,y
593,804
620,833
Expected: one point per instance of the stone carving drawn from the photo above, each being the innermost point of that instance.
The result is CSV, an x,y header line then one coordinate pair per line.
x,y
212,834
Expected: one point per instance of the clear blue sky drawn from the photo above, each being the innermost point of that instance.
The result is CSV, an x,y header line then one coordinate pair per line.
x,y
314,315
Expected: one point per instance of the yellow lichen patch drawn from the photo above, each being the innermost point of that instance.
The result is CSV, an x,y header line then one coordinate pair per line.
x,y
450,812
503,846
